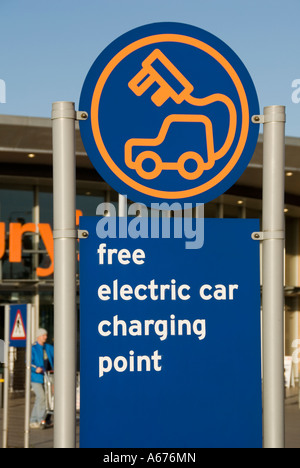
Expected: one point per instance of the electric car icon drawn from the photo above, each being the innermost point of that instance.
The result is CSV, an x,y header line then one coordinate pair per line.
x,y
149,161
157,68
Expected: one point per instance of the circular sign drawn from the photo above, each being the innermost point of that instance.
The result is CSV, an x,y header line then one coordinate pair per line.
x,y
169,115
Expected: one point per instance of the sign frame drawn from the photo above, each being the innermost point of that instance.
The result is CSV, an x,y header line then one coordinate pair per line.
x,y
107,396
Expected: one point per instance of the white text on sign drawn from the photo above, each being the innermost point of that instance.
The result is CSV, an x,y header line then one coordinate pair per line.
x,y
153,291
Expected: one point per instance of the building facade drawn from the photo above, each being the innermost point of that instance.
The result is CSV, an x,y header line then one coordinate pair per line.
x,y
26,216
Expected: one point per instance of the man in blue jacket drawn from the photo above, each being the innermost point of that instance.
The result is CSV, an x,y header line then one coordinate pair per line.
x,y
41,362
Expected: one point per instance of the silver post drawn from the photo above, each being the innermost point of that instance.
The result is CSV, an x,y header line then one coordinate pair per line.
x,y
64,233
273,275
28,375
122,205
6,376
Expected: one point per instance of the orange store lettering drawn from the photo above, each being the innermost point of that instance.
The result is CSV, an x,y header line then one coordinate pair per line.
x,y
13,242
16,232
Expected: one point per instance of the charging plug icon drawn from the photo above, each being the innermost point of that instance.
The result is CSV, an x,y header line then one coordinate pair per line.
x,y
158,68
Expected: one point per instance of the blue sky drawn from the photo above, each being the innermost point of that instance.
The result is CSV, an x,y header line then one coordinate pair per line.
x,y
47,48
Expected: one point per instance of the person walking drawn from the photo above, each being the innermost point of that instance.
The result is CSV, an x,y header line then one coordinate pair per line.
x,y
42,361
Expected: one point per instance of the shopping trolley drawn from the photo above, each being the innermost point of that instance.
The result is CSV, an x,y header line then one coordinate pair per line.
x,y
49,392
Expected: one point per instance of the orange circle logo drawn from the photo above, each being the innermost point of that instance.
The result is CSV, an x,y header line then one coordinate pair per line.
x,y
145,163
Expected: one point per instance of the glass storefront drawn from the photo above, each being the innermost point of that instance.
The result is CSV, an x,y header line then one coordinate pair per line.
x,y
23,249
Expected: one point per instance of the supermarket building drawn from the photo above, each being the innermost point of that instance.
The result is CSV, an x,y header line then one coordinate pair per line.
x,y
26,216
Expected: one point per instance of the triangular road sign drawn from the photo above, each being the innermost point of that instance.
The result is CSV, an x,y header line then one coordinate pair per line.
x,y
18,330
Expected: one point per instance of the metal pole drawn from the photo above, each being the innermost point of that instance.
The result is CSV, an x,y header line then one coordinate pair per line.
x,y
28,375
36,220
122,205
65,235
273,275
6,377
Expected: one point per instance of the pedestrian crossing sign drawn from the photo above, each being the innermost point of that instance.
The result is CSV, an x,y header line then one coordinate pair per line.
x,y
18,325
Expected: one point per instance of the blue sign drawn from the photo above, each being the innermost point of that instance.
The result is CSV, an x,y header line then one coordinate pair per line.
x,y
170,339
170,109
17,325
